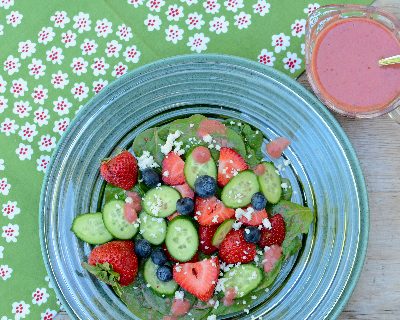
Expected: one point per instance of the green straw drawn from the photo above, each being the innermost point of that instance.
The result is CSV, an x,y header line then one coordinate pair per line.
x,y
389,60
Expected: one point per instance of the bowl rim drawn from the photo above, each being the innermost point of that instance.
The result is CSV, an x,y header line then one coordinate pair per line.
x,y
265,71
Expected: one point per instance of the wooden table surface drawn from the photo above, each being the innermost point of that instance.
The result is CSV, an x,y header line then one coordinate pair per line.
x,y
377,143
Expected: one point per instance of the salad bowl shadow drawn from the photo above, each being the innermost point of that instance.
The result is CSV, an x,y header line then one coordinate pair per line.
x,y
320,163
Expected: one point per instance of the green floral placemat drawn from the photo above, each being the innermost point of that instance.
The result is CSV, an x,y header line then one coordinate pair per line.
x,y
55,55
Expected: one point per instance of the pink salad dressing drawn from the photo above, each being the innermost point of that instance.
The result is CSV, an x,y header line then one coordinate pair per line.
x,y
345,65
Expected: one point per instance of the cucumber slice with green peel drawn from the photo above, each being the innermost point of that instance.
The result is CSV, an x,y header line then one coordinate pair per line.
x,y
115,222
239,190
89,227
182,239
222,231
150,275
287,191
160,202
270,183
244,278
193,169
152,229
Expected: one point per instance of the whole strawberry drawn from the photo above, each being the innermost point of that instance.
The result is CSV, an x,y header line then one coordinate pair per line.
x,y
114,262
234,248
276,234
121,171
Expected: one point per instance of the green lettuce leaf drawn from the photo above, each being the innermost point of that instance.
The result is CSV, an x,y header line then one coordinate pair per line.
x,y
298,220
252,138
149,140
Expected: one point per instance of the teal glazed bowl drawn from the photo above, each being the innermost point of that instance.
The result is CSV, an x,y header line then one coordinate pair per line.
x,y
324,171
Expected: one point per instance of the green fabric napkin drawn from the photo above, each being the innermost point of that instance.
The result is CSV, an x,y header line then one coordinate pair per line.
x,y
56,55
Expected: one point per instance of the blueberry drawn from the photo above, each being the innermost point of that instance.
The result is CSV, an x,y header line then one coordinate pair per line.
x,y
258,201
205,186
158,257
252,234
143,248
185,206
164,273
150,177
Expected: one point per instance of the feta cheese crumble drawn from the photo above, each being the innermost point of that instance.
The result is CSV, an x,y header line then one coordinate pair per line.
x,y
170,143
146,160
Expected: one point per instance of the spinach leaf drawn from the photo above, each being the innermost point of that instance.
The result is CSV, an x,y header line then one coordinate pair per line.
x,y
269,277
113,193
252,139
297,221
149,140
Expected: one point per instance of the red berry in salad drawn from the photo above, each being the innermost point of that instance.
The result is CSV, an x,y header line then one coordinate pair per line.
x,y
172,169
234,248
276,234
199,278
206,234
121,171
212,211
114,257
229,164
201,154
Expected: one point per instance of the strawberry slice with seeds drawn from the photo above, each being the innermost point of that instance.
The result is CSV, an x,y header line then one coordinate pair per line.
x,y
121,171
206,234
276,234
172,169
234,248
229,164
257,218
199,278
211,211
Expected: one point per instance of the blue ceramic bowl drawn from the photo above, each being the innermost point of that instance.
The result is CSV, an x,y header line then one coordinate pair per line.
x,y
324,171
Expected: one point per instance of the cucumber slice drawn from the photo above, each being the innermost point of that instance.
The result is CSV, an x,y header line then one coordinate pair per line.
x,y
152,229
182,239
90,228
270,183
114,220
244,278
238,192
160,202
193,169
150,275
288,191
222,231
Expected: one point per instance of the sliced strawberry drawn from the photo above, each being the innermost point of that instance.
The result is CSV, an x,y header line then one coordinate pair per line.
x,y
276,234
276,147
172,169
170,258
185,190
206,234
199,278
234,248
180,307
257,218
212,211
271,256
121,171
229,164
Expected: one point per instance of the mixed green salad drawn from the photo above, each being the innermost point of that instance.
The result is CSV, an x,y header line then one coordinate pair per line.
x,y
195,223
